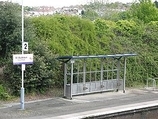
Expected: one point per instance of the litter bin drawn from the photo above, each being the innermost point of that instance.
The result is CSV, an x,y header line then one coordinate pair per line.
x,y
68,91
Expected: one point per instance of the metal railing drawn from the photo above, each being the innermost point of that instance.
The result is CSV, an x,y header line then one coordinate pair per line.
x,y
151,83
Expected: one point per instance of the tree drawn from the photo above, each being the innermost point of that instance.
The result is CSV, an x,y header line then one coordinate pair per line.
x,y
89,14
40,76
145,11
156,3
10,27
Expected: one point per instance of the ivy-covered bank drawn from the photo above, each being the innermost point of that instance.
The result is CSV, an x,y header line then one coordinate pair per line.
x,y
58,35
84,37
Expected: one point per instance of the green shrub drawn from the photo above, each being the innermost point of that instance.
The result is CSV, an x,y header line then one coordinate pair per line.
x,y
3,93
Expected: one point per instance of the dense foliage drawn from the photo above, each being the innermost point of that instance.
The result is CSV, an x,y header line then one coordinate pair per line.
x,y
53,36
9,29
144,11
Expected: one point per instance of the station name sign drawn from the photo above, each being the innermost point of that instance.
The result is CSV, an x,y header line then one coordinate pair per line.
x,y
19,59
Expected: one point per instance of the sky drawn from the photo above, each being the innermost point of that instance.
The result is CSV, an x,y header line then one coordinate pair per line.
x,y
60,3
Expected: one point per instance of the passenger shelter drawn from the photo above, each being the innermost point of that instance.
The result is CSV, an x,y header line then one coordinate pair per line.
x,y
94,74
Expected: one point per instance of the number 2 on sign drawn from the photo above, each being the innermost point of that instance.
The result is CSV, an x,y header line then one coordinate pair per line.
x,y
25,46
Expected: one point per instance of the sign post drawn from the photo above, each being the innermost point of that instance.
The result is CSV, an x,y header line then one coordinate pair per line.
x,y
22,59
22,100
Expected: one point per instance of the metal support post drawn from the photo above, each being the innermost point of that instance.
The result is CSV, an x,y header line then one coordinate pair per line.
x,y
22,88
101,75
124,75
84,75
22,100
72,68
118,74
65,78
78,71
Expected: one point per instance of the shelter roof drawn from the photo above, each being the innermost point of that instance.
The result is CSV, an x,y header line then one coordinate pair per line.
x,y
117,56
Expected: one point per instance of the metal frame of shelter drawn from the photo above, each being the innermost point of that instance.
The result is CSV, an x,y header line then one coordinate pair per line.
x,y
91,74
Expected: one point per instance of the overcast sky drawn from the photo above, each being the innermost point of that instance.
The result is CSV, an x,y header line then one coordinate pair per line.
x,y
59,3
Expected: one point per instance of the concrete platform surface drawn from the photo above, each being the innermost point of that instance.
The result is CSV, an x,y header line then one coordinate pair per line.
x,y
81,106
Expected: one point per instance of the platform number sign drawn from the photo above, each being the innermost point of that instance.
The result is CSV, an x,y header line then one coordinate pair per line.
x,y
25,46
